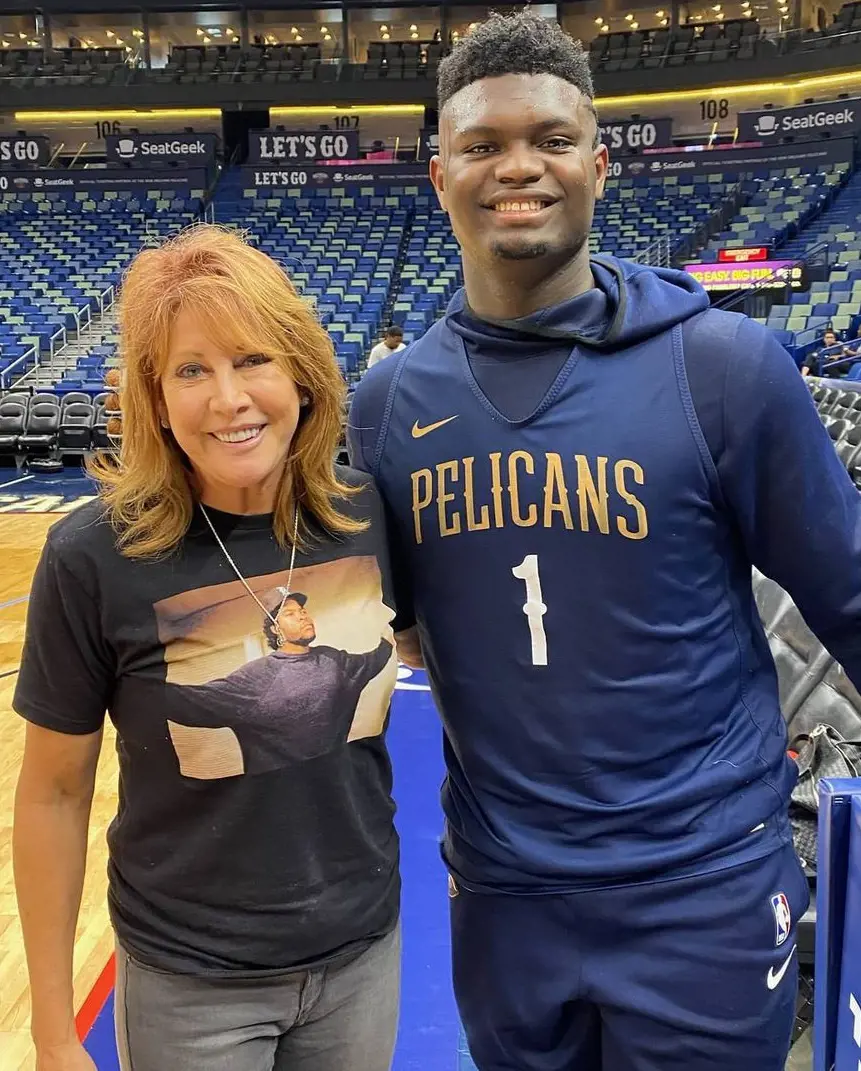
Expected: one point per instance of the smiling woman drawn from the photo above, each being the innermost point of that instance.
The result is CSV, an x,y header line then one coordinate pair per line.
x,y
231,394
228,600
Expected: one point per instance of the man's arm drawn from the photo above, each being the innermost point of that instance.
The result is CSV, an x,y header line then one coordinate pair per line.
x,y
364,431
798,512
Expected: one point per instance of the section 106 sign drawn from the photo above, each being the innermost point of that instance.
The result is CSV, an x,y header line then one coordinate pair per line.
x,y
275,147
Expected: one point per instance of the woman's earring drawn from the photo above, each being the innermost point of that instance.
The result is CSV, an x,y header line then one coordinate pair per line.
x,y
305,400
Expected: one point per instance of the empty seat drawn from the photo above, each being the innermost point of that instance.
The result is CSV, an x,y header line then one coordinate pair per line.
x,y
76,422
42,428
13,416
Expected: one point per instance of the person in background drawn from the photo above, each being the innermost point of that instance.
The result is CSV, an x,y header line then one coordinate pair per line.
x,y
393,342
853,347
582,462
813,362
253,885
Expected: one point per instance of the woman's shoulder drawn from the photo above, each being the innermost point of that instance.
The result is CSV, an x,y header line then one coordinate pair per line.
x,y
82,529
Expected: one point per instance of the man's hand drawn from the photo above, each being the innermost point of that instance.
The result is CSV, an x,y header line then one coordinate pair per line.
x,y
410,648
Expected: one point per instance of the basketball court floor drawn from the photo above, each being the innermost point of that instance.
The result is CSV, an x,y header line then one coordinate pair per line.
x,y
429,1036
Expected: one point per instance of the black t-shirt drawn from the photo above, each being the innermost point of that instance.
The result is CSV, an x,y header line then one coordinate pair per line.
x,y
255,828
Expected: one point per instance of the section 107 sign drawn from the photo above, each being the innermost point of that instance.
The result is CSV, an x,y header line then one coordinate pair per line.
x,y
275,147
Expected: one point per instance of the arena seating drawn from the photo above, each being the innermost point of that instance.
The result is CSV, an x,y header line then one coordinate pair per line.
x,y
193,64
777,206
29,68
402,59
714,42
431,272
734,40
636,212
342,248
846,29
835,301
840,410
48,425
59,256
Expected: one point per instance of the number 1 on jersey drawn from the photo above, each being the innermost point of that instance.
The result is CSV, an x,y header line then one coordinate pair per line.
x,y
534,607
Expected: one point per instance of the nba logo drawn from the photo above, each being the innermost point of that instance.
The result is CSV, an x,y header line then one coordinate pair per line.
x,y
782,918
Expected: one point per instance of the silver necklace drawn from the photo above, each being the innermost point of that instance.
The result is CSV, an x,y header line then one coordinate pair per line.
x,y
285,591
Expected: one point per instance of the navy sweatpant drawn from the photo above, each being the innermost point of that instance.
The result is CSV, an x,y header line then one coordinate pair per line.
x,y
694,974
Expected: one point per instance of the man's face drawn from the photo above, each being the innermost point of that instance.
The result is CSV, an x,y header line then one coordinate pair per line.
x,y
296,624
393,341
830,339
517,172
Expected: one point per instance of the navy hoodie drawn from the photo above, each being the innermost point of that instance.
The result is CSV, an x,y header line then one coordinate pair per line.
x,y
576,500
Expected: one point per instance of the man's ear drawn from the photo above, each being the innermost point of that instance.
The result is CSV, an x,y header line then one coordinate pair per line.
x,y
438,180
602,159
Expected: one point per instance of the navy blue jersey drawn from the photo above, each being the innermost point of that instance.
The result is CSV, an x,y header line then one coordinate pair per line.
x,y
581,581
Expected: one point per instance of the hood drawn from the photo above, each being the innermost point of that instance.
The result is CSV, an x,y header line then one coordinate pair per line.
x,y
629,304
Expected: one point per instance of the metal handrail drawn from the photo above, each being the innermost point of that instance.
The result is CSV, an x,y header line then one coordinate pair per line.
x,y
60,333
32,352
657,255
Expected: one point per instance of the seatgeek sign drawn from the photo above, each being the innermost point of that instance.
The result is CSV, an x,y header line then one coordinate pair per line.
x,y
805,122
143,150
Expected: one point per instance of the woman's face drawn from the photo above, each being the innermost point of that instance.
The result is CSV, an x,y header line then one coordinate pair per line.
x,y
233,415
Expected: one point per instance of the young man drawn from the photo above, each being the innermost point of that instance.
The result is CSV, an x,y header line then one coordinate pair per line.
x,y
393,342
581,463
814,361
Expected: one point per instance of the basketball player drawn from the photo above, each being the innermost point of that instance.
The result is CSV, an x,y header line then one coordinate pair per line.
x,y
581,463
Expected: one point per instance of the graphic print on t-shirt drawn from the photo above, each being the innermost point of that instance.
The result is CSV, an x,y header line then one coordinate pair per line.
x,y
256,697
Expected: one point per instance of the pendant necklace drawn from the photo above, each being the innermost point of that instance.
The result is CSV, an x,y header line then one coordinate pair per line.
x,y
285,591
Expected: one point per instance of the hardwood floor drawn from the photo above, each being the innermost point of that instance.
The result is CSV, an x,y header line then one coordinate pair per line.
x,y
21,540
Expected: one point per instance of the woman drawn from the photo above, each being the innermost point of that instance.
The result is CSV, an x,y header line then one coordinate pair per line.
x,y
254,888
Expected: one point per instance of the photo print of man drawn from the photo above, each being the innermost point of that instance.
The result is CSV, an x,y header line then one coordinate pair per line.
x,y
256,697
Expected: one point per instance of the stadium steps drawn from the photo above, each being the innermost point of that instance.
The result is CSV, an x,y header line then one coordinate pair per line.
x,y
841,215
65,360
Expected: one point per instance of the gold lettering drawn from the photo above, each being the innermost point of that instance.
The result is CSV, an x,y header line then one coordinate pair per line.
x,y
642,529
514,492
472,524
556,493
451,468
496,489
592,496
422,501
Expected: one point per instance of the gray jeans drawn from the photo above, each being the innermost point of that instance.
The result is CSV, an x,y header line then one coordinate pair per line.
x,y
321,1020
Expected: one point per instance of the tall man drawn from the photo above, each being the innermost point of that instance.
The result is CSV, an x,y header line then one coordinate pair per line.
x,y
581,463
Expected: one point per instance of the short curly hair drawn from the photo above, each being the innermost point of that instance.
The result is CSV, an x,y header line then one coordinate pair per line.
x,y
522,43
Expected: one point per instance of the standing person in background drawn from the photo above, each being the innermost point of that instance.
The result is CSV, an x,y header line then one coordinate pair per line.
x,y
253,864
393,342
581,462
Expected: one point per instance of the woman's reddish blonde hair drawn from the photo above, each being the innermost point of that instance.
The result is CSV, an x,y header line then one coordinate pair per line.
x,y
247,304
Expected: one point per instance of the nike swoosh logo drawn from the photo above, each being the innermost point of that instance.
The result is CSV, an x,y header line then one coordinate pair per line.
x,y
776,976
419,432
